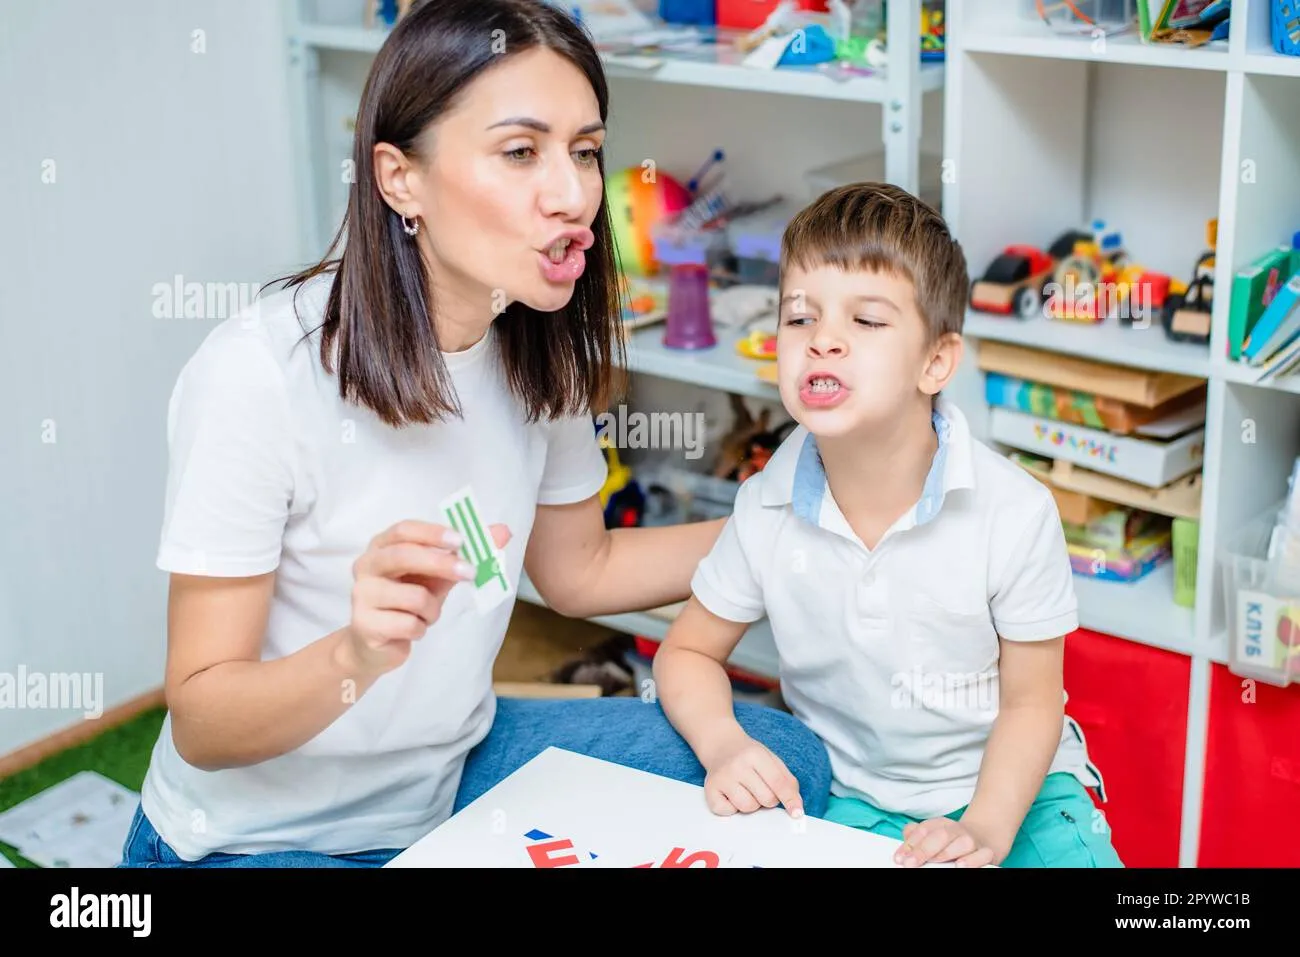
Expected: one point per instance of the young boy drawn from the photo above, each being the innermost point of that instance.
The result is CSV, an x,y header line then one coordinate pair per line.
x,y
917,583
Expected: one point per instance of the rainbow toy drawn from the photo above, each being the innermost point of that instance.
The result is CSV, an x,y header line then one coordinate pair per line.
x,y
637,201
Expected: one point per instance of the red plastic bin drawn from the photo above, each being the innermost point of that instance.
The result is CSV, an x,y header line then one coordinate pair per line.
x,y
748,14
1130,701
1252,775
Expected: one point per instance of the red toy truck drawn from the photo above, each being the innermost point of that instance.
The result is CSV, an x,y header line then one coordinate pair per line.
x,y
1014,282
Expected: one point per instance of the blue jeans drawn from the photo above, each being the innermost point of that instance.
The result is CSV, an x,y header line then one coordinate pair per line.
x,y
623,731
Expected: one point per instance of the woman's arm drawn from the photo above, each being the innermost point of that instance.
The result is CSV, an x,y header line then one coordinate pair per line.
x,y
581,569
1024,739
228,707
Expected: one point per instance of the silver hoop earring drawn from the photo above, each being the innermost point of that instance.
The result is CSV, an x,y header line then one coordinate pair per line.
x,y
411,228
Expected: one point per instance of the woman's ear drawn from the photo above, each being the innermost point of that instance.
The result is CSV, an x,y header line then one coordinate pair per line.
x,y
942,361
397,179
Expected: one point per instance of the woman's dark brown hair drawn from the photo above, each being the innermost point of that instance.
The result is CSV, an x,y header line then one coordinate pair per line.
x,y
377,315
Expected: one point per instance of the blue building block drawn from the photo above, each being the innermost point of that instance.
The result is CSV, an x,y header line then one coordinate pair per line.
x,y
699,12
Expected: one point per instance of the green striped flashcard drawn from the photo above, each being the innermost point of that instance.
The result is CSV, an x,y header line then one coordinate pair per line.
x,y
465,516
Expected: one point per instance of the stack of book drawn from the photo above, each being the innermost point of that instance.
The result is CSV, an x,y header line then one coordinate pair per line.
x,y
1264,316
1122,544
1142,426
1120,449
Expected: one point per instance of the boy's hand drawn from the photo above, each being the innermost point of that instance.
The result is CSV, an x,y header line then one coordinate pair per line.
x,y
743,775
943,839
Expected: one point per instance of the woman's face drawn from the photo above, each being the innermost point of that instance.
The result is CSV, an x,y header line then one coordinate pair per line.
x,y
512,185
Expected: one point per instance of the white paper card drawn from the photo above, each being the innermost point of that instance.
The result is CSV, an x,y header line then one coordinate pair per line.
x,y
80,822
491,587
566,809
767,55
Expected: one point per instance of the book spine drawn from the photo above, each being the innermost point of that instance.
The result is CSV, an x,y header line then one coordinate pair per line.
x,y
1239,311
1265,337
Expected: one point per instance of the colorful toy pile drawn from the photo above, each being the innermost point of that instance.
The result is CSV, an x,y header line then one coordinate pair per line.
x,y
847,33
1087,276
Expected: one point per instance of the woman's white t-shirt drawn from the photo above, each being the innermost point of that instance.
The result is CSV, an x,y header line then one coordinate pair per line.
x,y
270,470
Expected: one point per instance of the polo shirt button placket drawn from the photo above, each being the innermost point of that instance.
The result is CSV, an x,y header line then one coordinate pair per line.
x,y
871,610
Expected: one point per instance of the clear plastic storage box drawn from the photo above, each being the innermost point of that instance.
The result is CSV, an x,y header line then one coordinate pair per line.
x,y
1261,577
756,243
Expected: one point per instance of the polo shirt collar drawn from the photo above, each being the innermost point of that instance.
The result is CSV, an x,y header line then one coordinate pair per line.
x,y
795,475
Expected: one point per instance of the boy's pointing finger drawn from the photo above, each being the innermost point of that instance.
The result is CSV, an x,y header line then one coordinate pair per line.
x,y
786,786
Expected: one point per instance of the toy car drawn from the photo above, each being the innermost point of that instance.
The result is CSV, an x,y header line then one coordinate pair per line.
x,y
1014,282
1065,243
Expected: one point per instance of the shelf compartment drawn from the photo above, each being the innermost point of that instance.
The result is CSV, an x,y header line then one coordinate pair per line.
x,y
1267,213
1014,27
1261,57
1029,38
1075,144
720,367
1258,433
1143,611
721,70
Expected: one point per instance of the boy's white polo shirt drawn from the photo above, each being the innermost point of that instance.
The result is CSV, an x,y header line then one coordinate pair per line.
x,y
891,654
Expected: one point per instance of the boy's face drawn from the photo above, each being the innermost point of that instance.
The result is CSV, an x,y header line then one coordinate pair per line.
x,y
853,350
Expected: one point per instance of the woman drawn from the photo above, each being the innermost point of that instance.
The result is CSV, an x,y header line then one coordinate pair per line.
x,y
329,675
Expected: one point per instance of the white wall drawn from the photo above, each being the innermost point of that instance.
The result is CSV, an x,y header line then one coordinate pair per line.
x,y
166,161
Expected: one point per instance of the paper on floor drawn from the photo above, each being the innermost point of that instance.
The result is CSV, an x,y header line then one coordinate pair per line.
x,y
80,822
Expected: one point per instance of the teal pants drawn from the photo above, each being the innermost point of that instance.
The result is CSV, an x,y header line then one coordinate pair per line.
x,y
1063,828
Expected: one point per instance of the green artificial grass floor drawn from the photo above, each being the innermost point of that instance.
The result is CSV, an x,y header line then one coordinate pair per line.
x,y
120,754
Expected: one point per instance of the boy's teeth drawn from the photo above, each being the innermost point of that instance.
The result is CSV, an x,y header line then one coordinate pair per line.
x,y
825,385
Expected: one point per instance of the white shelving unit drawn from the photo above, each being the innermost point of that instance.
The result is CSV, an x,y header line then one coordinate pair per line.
x,y
329,53
326,37
1048,131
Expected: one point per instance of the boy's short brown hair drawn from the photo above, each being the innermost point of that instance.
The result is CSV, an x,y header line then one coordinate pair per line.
x,y
883,228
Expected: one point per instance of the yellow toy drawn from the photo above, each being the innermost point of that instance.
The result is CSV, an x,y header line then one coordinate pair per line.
x,y
757,345
1087,286
619,475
